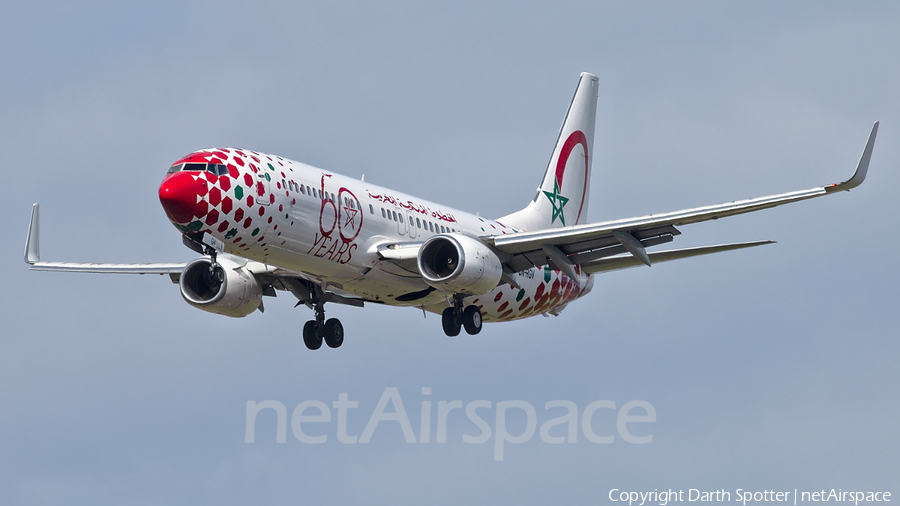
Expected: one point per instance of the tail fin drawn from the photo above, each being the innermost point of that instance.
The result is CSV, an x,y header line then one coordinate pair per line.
x,y
562,198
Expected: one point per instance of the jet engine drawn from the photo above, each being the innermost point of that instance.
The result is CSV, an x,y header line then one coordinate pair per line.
x,y
460,264
227,288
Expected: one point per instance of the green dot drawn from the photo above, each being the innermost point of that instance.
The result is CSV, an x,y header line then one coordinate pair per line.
x,y
520,295
255,231
238,192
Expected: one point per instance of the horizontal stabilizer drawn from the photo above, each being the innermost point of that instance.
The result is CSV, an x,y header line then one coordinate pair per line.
x,y
623,262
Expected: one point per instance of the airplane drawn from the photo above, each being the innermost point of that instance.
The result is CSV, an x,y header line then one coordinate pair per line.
x,y
263,224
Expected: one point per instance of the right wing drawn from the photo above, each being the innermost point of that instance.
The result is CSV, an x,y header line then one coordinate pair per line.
x,y
33,258
271,278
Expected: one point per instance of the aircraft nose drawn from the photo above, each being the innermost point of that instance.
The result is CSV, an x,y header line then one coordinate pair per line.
x,y
181,195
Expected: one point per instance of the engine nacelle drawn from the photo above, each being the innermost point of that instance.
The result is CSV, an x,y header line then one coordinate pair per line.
x,y
230,290
460,264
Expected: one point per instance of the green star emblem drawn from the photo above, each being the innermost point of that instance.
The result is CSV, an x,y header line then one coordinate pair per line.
x,y
558,202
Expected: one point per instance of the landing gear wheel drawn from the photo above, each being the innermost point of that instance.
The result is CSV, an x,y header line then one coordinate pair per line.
x,y
214,276
472,320
334,333
312,338
451,322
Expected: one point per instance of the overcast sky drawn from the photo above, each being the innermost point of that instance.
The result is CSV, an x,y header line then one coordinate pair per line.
x,y
769,368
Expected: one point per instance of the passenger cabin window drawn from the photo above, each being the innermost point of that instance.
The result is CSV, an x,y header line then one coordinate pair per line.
x,y
371,209
382,213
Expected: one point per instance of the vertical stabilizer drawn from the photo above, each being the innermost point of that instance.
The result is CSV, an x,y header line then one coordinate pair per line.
x,y
562,198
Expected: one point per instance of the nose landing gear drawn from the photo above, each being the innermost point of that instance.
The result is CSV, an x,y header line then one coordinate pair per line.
x,y
453,319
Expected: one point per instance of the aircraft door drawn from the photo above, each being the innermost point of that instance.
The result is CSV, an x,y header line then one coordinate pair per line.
x,y
263,195
411,223
401,221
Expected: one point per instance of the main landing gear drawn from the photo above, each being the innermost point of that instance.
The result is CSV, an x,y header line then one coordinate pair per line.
x,y
315,331
455,318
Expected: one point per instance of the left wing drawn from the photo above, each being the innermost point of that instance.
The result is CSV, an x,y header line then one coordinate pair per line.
x,y
586,244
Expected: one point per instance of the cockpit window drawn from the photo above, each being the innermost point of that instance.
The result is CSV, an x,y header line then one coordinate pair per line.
x,y
195,167
217,169
213,168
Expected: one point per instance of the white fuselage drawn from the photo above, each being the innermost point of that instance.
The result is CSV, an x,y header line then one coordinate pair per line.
x,y
329,227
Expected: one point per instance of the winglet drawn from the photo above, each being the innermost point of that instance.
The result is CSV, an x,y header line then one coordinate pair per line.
x,y
860,175
33,243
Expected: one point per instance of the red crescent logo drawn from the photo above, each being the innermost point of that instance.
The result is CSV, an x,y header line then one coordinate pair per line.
x,y
577,137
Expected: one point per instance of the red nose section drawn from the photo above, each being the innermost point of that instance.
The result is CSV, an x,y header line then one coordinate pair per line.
x,y
181,195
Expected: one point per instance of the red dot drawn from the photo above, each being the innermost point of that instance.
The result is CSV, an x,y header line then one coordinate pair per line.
x,y
239,214
212,217
226,205
270,219
215,196
201,208
233,172
239,161
247,222
250,201
498,296
223,226
272,198
280,207
224,183
262,210
248,180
